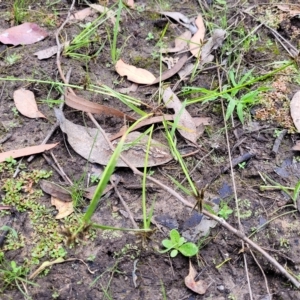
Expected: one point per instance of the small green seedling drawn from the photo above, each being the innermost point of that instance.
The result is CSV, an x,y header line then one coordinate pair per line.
x,y
150,36
225,211
242,165
176,244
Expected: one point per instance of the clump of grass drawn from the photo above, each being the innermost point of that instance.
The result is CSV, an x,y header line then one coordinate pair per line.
x,y
19,10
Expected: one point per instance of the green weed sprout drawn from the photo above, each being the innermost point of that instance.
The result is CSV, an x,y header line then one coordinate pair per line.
x,y
225,211
176,244
11,274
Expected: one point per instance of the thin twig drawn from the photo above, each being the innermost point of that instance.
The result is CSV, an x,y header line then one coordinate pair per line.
x,y
124,203
234,186
278,141
61,169
263,273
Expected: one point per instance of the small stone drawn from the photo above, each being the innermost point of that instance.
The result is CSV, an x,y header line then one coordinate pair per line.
x,y
221,288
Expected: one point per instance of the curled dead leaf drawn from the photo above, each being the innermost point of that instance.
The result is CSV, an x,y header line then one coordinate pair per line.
x,y
133,73
94,108
296,146
186,125
26,105
199,286
295,110
64,208
197,39
180,43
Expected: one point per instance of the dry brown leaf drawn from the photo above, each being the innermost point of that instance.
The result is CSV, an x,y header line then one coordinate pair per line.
x,y
150,121
214,42
295,110
181,43
102,9
179,17
24,34
94,108
26,105
82,14
134,74
297,146
55,190
64,208
199,286
45,265
292,10
90,191
130,3
197,39
46,53
26,151
92,145
186,125
169,73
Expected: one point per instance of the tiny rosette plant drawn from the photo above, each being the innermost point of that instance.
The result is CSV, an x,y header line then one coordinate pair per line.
x,y
176,244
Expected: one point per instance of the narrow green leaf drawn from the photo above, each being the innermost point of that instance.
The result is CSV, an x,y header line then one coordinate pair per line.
x,y
245,77
296,192
239,111
230,108
232,79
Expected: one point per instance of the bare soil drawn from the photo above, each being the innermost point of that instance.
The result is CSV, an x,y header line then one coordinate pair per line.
x,y
111,255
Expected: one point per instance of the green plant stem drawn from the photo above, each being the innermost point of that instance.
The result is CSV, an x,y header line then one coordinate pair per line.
x,y
268,222
238,87
144,208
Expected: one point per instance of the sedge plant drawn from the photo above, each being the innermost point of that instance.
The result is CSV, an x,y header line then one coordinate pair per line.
x,y
114,51
146,218
108,171
210,95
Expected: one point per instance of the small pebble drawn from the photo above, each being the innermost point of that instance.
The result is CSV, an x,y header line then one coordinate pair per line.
x,y
221,288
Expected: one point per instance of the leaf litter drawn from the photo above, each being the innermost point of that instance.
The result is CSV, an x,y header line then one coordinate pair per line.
x,y
92,145
134,74
204,50
186,126
26,151
25,34
26,104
